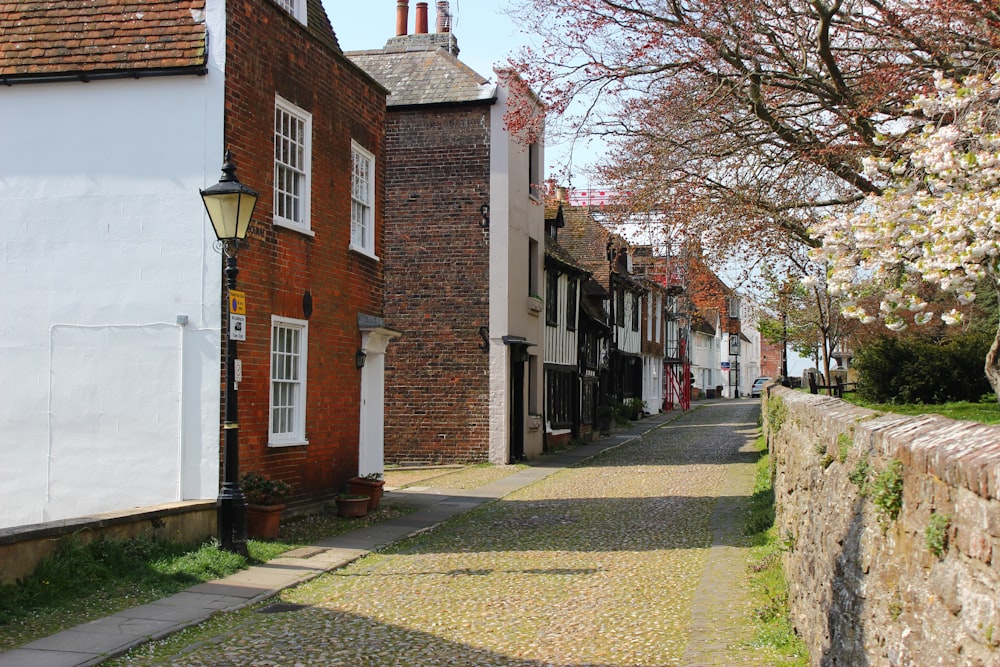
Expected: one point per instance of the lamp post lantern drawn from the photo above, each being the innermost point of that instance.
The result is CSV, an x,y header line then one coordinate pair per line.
x,y
230,206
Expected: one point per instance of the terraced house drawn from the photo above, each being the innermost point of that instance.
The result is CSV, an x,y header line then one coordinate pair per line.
x,y
110,282
463,254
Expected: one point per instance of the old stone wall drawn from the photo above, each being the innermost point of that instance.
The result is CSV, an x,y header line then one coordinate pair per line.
x,y
878,574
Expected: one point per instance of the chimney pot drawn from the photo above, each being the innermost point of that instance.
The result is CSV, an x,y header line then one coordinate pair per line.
x,y
421,28
443,16
402,17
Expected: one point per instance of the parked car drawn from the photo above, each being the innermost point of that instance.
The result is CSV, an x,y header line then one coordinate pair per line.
x,y
758,386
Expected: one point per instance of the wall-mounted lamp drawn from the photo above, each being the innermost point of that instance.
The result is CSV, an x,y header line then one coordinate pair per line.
x,y
484,210
359,358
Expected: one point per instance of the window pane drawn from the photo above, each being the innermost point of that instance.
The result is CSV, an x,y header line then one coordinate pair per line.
x,y
289,165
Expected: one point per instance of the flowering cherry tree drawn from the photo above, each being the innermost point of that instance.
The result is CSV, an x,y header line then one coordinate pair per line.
x,y
937,219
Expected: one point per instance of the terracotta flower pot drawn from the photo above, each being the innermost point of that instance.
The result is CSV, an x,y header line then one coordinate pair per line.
x,y
264,521
352,506
367,487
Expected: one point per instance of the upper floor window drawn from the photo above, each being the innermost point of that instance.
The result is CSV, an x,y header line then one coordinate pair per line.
x,y
635,311
292,165
571,305
296,8
734,307
535,170
551,298
362,200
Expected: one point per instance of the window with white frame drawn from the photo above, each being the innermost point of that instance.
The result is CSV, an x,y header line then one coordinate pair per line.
x,y
289,343
292,165
296,8
362,200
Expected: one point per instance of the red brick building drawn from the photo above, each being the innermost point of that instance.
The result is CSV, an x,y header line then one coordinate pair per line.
x,y
124,111
306,127
463,256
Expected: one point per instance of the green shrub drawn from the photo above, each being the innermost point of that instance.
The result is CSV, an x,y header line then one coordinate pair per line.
x,y
916,370
936,534
859,476
777,412
843,447
887,490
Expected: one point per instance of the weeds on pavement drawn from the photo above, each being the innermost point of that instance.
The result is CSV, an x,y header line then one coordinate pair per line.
x,y
774,635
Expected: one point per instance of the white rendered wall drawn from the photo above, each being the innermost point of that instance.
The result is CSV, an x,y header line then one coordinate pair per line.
x,y
514,219
108,403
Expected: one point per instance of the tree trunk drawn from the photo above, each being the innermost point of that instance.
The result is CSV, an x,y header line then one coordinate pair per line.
x,y
993,356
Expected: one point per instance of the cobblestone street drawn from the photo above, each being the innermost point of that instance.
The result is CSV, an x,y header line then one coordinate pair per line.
x,y
633,558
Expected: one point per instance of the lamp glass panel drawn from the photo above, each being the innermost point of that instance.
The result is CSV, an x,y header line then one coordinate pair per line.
x,y
247,204
222,211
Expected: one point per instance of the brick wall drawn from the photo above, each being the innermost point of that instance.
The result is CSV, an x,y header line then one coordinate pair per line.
x,y
270,53
866,589
437,284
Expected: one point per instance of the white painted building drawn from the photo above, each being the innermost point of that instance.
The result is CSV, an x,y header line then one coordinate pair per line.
x,y
705,352
110,288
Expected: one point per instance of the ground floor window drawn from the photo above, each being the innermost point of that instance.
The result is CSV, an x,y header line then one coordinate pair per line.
x,y
559,401
287,424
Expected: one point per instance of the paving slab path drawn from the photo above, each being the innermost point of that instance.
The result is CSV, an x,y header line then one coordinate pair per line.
x,y
632,557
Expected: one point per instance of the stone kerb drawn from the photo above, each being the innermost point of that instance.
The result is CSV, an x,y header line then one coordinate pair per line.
x,y
869,589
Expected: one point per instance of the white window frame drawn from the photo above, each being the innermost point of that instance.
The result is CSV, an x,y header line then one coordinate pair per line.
x,y
296,435
365,243
284,108
297,8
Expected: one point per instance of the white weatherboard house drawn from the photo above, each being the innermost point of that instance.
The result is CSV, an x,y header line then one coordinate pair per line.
x,y
109,282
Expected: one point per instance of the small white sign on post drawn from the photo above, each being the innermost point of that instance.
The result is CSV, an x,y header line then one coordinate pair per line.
x,y
237,327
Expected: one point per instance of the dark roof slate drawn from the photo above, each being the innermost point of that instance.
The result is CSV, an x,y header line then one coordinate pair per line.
x,y
419,70
52,37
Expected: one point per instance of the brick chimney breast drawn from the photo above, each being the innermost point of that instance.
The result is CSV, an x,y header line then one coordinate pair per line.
x,y
443,16
421,27
402,17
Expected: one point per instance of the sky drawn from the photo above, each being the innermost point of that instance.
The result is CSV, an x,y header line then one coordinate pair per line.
x,y
486,36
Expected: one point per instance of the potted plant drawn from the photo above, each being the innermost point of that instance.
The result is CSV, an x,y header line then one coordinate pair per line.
x,y
604,415
264,504
352,504
370,486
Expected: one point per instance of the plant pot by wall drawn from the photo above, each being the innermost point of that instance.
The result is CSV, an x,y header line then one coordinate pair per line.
x,y
352,505
264,521
372,488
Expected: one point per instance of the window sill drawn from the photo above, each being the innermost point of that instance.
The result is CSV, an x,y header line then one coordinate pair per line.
x,y
288,224
287,443
363,251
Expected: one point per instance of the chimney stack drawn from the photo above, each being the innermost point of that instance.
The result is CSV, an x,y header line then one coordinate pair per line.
x,y
402,17
443,16
421,28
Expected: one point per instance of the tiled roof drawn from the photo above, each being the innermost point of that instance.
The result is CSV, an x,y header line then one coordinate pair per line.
x,y
319,25
419,70
81,37
586,240
562,256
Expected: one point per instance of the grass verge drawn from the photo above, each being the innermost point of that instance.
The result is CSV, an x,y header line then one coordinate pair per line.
x,y
85,581
773,633
985,412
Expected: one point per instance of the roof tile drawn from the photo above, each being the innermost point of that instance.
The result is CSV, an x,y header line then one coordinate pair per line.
x,y
60,37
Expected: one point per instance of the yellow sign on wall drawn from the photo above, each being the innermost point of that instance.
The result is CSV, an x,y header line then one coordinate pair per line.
x,y
237,303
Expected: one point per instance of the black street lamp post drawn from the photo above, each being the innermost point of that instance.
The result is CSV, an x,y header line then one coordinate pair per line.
x,y
230,206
